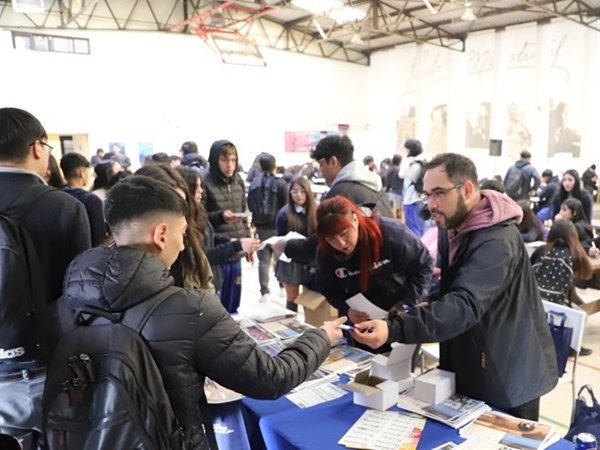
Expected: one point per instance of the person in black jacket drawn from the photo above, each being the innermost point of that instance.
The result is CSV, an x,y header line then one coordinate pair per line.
x,y
77,171
486,311
190,335
59,229
272,193
224,200
378,257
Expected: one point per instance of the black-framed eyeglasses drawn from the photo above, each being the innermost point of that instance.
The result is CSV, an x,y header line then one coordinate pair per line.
x,y
45,144
439,194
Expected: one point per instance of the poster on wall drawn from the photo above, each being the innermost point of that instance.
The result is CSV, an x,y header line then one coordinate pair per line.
x,y
406,127
478,126
479,88
566,79
437,137
519,112
563,137
145,150
304,141
432,122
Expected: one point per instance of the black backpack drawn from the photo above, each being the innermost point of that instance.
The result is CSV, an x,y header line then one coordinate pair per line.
x,y
419,183
516,183
262,199
103,389
22,288
554,275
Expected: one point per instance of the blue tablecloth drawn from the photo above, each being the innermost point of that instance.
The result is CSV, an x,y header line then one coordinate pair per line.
x,y
284,426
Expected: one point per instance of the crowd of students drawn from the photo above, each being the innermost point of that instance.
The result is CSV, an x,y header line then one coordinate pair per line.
x,y
186,226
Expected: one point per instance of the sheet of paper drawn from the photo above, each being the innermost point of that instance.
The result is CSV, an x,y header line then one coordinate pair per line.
x,y
362,303
287,237
321,393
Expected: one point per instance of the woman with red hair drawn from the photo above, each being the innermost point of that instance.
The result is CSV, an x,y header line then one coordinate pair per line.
x,y
376,256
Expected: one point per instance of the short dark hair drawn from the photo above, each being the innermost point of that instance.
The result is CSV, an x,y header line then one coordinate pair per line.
x,y
525,154
396,159
339,146
458,167
70,162
492,184
189,147
547,173
267,162
18,130
139,196
414,147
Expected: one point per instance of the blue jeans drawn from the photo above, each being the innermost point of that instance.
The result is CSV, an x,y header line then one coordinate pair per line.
x,y
231,289
21,410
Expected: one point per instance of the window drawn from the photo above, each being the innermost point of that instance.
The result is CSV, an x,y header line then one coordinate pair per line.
x,y
48,43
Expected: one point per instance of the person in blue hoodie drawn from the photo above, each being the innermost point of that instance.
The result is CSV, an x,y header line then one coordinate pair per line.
x,y
486,311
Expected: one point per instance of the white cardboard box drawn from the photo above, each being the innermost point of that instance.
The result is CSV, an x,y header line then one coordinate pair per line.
x,y
397,365
373,392
435,386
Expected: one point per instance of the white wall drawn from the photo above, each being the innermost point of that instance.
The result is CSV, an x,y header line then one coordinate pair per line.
x,y
166,89
526,68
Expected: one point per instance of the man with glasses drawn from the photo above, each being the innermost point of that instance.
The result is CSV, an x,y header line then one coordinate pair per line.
x,y
58,227
486,311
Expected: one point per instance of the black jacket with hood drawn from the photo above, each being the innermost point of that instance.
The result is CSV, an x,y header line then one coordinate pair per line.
x,y
222,193
190,334
487,313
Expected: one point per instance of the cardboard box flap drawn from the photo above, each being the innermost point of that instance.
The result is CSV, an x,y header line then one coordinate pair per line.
x,y
400,352
310,299
361,388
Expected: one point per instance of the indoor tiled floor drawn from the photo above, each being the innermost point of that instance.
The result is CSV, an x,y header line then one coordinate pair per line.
x,y
555,406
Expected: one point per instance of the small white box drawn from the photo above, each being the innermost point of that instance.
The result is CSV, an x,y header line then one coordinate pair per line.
x,y
397,365
435,386
373,392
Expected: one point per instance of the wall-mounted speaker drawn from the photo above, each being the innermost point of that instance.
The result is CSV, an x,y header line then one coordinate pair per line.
x,y
495,147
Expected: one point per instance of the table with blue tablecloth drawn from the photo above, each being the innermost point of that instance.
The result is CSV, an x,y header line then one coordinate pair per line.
x,y
284,426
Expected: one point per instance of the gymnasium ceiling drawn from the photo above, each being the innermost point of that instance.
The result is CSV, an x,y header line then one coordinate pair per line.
x,y
245,26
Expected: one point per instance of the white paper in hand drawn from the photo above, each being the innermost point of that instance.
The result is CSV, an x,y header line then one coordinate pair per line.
x,y
361,303
287,237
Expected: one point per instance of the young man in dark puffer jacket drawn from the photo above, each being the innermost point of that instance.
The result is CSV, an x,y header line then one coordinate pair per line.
x,y
190,334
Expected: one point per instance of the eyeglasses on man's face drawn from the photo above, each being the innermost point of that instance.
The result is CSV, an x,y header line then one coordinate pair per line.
x,y
439,194
43,144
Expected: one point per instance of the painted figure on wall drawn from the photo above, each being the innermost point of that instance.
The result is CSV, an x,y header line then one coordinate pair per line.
x,y
562,138
478,126
438,133
406,127
518,137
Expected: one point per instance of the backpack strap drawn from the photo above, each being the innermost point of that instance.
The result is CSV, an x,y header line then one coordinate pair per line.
x,y
23,202
137,316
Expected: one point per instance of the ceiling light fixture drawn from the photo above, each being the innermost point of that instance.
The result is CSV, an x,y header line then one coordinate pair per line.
x,y
468,15
346,14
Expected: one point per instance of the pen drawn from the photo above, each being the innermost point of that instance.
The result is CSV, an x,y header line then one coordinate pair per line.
x,y
353,328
